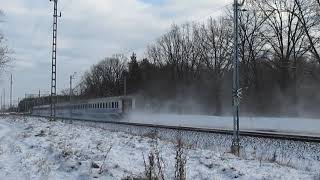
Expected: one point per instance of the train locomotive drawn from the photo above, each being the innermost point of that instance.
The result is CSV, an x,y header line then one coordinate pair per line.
x,y
108,108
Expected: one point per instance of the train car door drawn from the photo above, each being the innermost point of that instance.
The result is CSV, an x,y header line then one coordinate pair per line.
x,y
126,105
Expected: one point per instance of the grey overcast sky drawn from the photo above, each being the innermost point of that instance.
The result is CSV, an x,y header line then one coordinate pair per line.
x,y
89,30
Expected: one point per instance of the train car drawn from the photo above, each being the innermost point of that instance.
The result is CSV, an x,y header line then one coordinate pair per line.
x,y
99,108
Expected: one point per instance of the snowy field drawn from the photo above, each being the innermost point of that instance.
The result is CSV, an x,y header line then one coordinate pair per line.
x,y
32,148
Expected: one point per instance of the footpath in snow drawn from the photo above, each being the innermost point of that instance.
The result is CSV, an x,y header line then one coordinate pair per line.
x,y
33,148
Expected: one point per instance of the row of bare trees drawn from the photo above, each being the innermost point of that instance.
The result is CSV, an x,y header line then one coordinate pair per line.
x,y
280,62
4,51
105,78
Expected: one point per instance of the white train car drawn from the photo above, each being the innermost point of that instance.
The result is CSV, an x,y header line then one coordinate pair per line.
x,y
99,108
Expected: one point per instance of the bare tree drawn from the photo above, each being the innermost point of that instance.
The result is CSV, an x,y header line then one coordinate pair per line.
x,y
217,54
309,18
105,78
4,50
285,35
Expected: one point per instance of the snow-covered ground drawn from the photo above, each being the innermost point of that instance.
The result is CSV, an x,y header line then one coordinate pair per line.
x,y
32,148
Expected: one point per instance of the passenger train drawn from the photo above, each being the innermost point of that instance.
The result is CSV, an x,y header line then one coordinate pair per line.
x,y
99,108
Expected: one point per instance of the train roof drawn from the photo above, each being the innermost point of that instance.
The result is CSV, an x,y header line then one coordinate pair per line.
x,y
93,100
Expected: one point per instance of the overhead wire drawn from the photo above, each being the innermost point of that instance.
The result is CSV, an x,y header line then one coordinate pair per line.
x,y
205,17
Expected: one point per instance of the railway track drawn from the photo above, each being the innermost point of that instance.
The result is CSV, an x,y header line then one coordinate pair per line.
x,y
258,134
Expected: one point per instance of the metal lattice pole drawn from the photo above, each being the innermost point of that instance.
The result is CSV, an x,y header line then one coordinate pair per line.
x,y
236,90
54,62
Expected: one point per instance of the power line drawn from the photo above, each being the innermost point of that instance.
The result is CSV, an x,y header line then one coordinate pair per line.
x,y
64,7
220,8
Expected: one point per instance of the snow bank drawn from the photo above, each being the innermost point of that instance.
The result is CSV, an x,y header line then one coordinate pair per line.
x,y
32,148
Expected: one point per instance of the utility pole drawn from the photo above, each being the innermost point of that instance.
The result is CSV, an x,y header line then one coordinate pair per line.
x,y
18,108
4,99
236,90
11,91
54,61
25,102
125,85
71,91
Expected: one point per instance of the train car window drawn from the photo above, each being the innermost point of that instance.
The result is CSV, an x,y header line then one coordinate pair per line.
x,y
112,104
